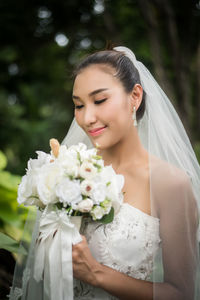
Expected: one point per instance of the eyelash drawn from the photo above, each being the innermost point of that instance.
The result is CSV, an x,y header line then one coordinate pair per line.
x,y
96,102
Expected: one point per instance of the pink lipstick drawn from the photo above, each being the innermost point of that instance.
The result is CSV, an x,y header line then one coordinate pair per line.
x,y
96,131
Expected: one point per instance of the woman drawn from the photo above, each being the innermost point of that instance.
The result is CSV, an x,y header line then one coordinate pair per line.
x,y
150,251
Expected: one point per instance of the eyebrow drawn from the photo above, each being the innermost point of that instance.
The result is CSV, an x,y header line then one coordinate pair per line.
x,y
92,93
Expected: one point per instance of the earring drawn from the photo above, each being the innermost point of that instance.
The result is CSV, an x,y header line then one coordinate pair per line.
x,y
134,117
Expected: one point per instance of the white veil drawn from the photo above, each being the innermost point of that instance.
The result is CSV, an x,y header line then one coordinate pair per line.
x,y
174,188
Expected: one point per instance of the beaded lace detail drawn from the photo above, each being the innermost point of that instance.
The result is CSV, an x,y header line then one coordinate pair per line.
x,y
128,245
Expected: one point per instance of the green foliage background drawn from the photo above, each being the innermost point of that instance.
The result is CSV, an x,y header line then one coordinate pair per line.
x,y
12,216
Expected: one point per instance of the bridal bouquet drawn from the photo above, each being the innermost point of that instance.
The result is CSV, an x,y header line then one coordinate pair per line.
x,y
65,185
74,180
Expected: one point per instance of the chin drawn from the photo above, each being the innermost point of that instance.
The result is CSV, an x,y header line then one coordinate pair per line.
x,y
103,145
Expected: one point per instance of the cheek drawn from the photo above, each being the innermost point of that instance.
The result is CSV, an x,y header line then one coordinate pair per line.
x,y
118,111
77,115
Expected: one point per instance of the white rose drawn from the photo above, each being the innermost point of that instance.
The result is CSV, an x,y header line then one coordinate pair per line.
x,y
42,159
87,170
76,150
71,167
68,160
24,191
79,147
98,193
97,212
27,193
69,192
85,205
65,153
88,154
49,176
116,183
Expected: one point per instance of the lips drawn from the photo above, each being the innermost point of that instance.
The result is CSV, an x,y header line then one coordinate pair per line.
x,y
96,131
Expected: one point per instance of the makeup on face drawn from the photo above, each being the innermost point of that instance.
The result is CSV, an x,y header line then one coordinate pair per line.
x,y
96,131
102,107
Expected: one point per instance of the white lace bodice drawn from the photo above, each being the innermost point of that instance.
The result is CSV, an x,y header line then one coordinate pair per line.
x,y
128,245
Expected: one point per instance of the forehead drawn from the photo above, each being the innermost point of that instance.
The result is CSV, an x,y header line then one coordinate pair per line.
x,y
95,77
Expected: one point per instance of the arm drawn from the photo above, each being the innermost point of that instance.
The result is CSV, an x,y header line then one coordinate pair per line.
x,y
124,287
178,225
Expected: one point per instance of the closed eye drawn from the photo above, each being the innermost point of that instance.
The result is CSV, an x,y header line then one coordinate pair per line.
x,y
100,101
96,102
78,106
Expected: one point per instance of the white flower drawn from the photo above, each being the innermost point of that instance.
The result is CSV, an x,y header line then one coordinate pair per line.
x,y
68,160
71,168
87,170
79,147
87,187
27,193
97,212
65,153
69,192
98,193
95,189
77,150
85,205
24,191
88,154
116,182
106,204
42,159
114,188
49,176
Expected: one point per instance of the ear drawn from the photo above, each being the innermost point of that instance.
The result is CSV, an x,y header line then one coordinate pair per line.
x,y
136,95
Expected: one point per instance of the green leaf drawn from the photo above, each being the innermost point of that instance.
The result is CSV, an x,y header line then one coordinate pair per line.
x,y
108,218
97,157
3,161
78,156
10,244
99,167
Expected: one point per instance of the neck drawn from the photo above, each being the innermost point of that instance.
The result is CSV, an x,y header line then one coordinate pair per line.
x,y
128,150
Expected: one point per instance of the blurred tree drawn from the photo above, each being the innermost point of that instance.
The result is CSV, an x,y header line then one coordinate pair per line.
x,y
42,40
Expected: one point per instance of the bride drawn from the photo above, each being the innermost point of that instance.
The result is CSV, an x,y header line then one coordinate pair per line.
x,y
151,248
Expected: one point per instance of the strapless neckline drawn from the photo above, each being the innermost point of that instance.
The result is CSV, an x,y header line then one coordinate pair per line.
x,y
139,211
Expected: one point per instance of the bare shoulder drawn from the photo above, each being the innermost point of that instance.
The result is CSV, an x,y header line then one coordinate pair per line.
x,y
170,185
167,175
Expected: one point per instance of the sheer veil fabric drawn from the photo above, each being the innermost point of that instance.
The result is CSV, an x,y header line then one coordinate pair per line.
x,y
174,175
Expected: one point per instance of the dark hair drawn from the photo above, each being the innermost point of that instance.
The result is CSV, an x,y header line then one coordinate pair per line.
x,y
126,72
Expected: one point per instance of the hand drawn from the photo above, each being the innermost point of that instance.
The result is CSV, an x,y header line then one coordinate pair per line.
x,y
85,266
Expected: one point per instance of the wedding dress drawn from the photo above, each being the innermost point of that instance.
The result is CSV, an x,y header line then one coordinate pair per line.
x,y
128,245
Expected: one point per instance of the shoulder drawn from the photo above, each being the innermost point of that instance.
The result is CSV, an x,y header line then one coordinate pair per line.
x,y
166,175
171,188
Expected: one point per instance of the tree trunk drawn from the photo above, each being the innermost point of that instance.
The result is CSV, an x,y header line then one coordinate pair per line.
x,y
197,92
155,44
180,60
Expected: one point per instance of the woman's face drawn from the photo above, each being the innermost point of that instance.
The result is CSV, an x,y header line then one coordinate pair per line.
x,y
102,107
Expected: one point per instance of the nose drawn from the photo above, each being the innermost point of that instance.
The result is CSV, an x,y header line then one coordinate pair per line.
x,y
89,115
